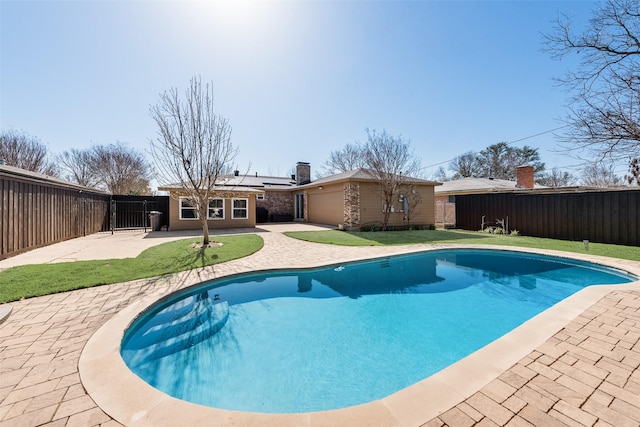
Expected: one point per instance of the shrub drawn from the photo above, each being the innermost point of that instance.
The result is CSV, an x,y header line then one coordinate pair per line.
x,y
423,227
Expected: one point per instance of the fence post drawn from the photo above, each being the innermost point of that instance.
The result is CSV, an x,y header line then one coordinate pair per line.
x,y
113,215
144,218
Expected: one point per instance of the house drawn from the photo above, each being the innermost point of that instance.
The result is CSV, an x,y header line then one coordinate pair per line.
x,y
230,207
353,200
349,200
446,193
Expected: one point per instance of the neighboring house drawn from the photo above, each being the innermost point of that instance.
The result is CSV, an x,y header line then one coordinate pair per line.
x,y
348,200
446,193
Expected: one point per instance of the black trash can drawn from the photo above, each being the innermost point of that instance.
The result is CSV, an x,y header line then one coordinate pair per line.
x,y
155,218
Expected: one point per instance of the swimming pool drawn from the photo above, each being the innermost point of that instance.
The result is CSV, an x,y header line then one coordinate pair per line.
x,y
326,338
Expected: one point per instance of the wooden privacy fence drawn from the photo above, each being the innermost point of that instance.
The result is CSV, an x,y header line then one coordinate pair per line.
x,y
37,210
597,216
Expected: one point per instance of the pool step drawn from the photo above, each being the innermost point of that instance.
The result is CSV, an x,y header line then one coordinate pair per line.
x,y
160,340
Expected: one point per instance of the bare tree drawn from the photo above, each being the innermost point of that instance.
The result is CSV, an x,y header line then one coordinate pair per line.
x,y
556,178
79,167
411,200
604,109
193,147
348,158
440,175
391,161
24,151
121,169
600,175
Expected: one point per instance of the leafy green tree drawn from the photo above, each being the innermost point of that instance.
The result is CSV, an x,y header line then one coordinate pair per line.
x,y
499,161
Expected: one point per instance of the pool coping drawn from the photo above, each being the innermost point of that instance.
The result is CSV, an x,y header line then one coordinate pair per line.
x,y
131,401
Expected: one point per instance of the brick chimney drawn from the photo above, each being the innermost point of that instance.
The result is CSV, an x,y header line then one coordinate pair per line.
x,y
303,173
524,176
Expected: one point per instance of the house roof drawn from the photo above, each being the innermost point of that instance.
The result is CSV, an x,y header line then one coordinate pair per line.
x,y
270,182
479,185
45,179
361,174
259,184
217,188
488,185
246,183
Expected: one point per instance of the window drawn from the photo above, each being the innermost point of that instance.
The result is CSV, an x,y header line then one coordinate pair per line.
x,y
240,208
216,209
187,209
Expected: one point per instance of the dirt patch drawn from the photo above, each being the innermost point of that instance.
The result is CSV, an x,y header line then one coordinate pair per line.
x,y
198,245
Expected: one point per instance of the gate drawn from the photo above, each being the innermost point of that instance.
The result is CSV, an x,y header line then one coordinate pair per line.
x,y
132,212
445,214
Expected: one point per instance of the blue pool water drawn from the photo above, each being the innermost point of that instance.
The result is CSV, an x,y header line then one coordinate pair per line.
x,y
327,338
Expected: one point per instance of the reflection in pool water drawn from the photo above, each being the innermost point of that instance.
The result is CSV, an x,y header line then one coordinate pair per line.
x,y
326,338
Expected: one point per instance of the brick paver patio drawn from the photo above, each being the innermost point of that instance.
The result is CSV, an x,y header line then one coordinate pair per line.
x,y
587,374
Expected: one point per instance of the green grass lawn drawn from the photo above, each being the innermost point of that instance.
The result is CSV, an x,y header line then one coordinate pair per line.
x,y
379,238
43,279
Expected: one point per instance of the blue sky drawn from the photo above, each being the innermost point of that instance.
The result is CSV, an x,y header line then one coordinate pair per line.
x,y
295,79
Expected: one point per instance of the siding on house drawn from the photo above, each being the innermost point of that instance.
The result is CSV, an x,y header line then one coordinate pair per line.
x,y
350,199
176,223
372,207
326,206
333,205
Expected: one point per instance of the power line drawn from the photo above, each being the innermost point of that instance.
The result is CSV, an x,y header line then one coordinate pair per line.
x,y
508,143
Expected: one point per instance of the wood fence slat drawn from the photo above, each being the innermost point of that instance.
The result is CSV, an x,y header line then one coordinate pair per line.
x,y
602,216
35,214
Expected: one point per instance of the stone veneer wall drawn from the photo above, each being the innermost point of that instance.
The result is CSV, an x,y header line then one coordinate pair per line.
x,y
305,211
277,203
351,206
